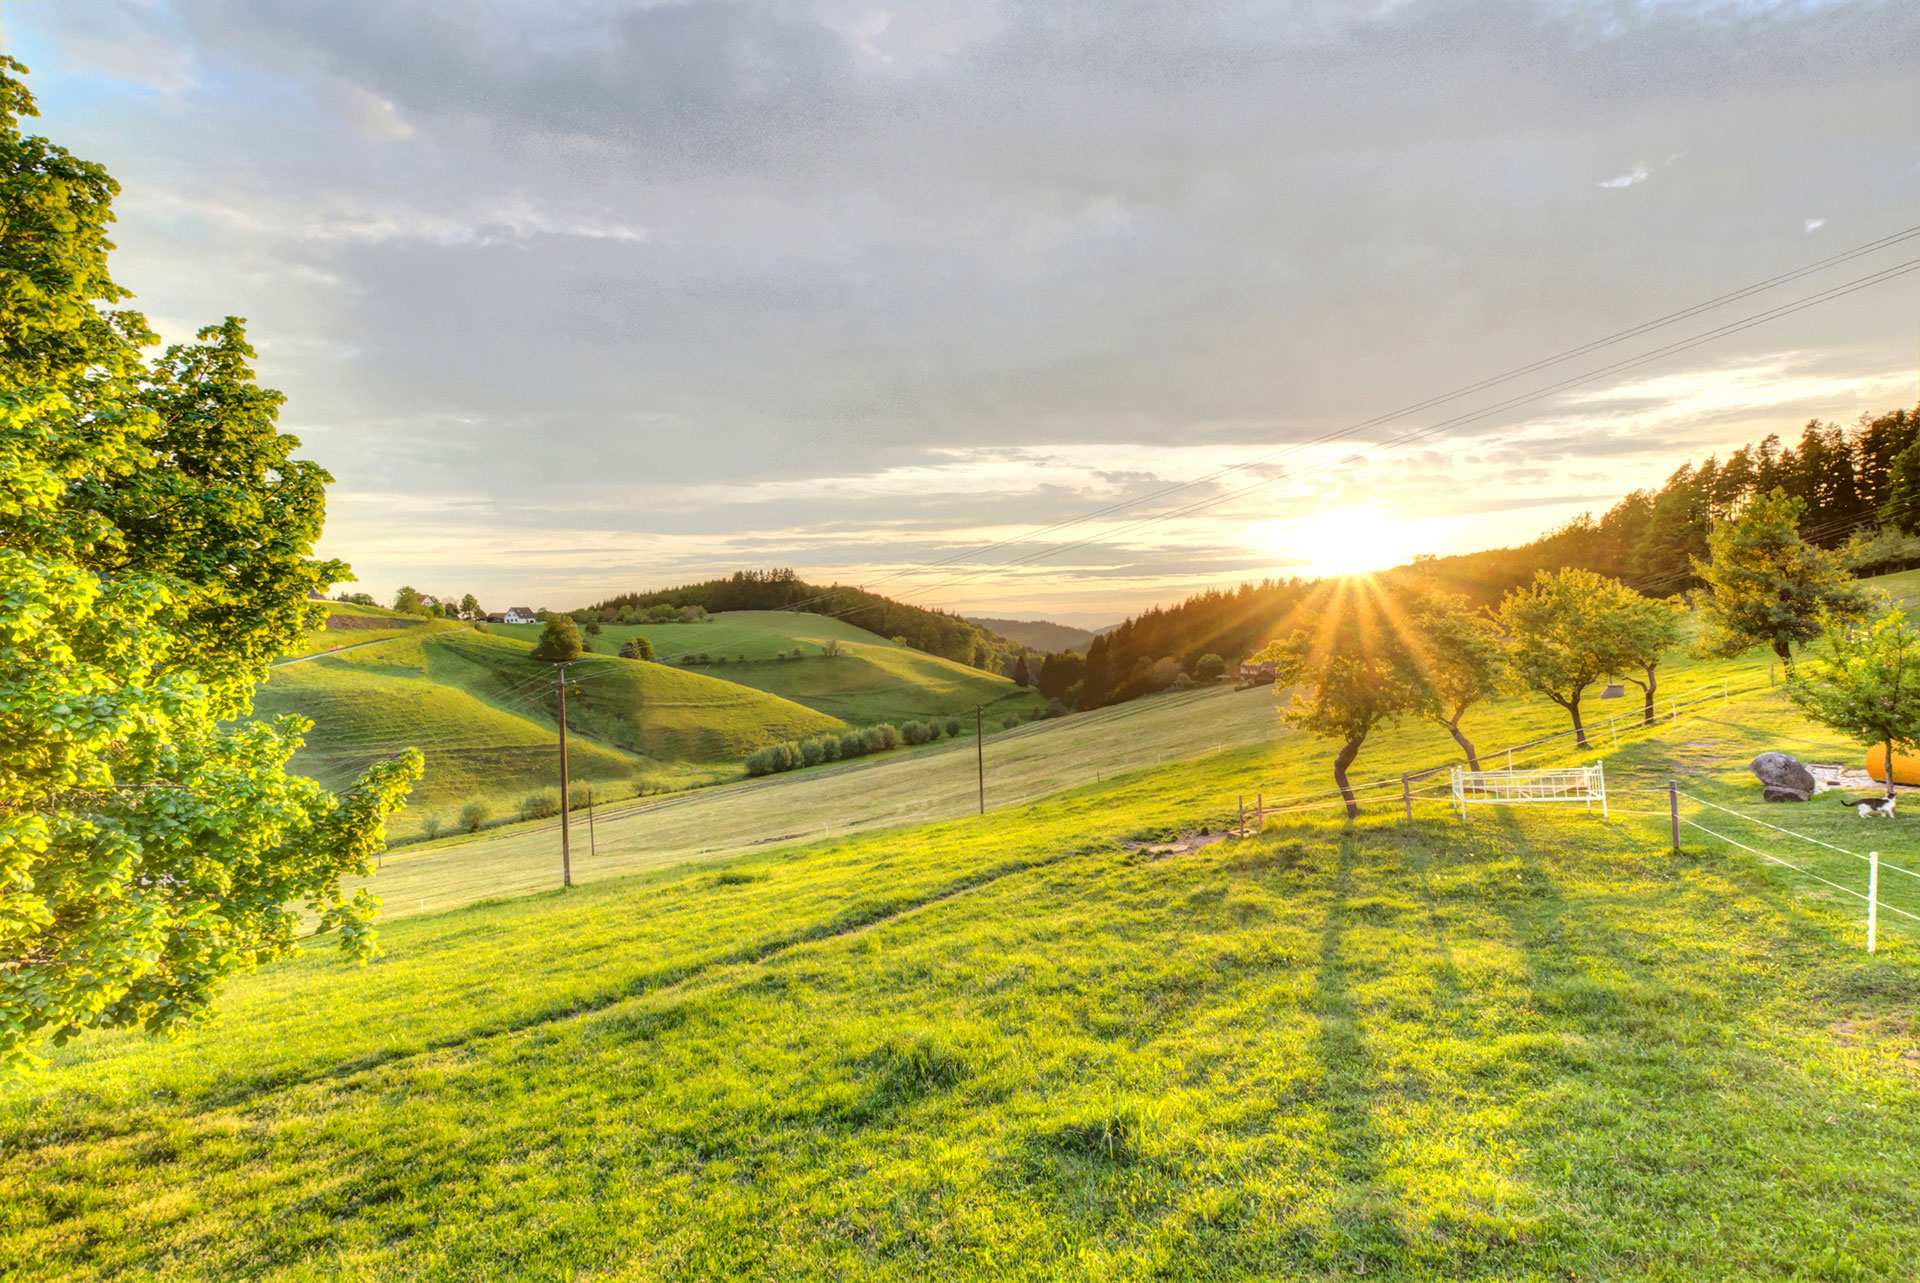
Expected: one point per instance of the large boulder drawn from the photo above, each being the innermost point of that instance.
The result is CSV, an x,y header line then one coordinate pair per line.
x,y
1784,779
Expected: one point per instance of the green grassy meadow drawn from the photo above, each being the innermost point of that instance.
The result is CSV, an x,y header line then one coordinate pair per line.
x,y
870,681
1535,1046
486,716
367,627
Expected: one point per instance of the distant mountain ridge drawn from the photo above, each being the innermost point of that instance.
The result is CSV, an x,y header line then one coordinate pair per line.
x,y
1041,634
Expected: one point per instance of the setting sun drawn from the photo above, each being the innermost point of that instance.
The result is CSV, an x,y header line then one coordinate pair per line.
x,y
1344,541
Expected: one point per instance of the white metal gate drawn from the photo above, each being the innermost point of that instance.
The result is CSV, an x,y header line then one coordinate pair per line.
x,y
1564,784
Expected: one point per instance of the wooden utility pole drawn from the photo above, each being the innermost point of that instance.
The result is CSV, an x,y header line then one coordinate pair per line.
x,y
980,752
566,846
593,848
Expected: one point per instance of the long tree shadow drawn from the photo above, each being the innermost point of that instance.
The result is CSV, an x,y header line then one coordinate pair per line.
x,y
1353,1139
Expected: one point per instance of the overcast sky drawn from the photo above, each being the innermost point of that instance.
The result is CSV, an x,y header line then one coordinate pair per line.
x,y
577,297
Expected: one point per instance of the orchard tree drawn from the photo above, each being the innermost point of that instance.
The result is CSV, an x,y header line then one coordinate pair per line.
x,y
1765,583
1564,632
1351,672
559,640
1644,630
1462,661
156,540
1868,687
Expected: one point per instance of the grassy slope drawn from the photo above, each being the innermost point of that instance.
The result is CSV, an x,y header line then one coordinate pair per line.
x,y
321,640
869,682
486,716
1538,1046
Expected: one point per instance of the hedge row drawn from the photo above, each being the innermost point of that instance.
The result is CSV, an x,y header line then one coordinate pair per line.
x,y
775,758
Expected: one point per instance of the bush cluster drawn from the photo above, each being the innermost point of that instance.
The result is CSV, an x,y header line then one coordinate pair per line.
x,y
775,758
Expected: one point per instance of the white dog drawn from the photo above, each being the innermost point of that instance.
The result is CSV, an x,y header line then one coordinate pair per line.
x,y
1873,807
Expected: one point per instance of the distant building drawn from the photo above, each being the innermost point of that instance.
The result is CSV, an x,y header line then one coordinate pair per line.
x,y
496,617
519,615
1258,674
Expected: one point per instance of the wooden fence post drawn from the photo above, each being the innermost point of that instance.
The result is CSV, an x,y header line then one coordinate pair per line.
x,y
1873,899
1243,814
1406,795
1673,811
1260,811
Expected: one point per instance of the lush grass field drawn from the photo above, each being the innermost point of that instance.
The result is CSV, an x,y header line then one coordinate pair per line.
x,y
322,640
486,716
870,681
1537,1046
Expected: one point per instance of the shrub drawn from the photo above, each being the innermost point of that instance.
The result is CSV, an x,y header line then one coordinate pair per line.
x,y
430,827
829,748
1055,709
882,737
1008,722
759,762
811,754
593,629
705,658
1209,668
559,641
636,648
913,733
830,647
853,744
953,728
577,796
541,804
474,814
687,660
781,756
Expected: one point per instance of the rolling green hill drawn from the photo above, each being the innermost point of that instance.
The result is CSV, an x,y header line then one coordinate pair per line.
x,y
350,625
870,681
1021,1045
485,714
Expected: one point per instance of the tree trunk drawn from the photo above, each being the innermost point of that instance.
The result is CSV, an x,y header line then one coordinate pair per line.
x,y
1466,745
1889,768
1784,649
1579,727
1649,689
1341,761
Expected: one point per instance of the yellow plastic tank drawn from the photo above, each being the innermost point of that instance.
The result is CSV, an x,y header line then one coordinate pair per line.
x,y
1906,768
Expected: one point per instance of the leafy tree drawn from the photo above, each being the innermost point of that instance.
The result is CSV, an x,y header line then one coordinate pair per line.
x,y
636,647
360,599
1351,671
1209,668
155,556
474,814
830,648
1564,633
1676,530
1869,686
1021,676
1767,584
1462,663
470,607
559,640
1644,631
408,601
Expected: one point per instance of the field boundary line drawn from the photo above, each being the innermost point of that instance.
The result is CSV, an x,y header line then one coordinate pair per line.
x,y
1797,869
1790,833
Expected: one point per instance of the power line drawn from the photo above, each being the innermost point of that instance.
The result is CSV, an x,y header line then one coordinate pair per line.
x,y
1418,406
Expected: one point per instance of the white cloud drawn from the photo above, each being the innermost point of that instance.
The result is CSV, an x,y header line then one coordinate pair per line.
x,y
1638,174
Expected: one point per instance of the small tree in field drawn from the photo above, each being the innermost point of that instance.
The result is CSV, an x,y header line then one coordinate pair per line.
x,y
470,607
1463,664
1209,668
1869,688
1351,672
1564,632
1764,583
559,641
636,647
1644,631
